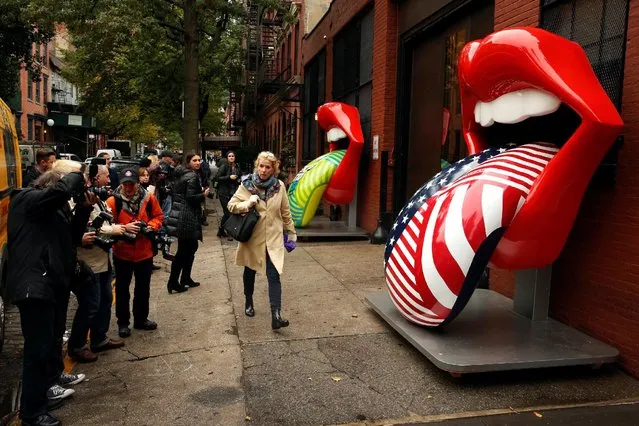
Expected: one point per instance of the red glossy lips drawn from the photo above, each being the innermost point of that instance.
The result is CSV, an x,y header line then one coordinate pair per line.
x,y
341,187
531,58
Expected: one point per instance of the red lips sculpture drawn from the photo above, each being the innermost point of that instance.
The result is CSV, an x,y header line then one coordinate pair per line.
x,y
537,124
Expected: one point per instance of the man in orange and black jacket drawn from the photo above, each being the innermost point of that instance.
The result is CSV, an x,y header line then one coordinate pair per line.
x,y
141,215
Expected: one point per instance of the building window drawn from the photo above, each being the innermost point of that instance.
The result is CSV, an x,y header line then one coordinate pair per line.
x,y
599,26
314,95
45,89
45,55
353,69
29,87
38,132
30,128
37,87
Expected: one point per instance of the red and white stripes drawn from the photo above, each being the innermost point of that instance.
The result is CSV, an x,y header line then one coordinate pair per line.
x,y
428,263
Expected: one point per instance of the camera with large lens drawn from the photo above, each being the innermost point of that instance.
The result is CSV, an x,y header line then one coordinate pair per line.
x,y
101,241
162,241
102,192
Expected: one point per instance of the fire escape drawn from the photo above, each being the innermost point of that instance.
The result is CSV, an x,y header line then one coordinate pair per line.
x,y
262,80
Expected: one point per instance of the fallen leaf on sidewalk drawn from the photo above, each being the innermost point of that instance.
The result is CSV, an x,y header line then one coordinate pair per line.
x,y
248,418
354,315
336,378
537,414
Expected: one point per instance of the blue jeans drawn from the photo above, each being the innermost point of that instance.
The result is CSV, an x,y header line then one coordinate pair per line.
x,y
94,312
274,283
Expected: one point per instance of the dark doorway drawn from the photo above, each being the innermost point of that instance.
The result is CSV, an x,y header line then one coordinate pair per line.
x,y
429,115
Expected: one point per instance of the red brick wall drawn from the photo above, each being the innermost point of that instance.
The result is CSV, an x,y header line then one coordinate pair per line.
x,y
595,285
383,110
338,16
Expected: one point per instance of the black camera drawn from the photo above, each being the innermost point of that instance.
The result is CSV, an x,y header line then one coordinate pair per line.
x,y
101,241
161,241
102,192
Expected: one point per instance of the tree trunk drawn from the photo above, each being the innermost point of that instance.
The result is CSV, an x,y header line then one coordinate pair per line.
x,y
191,89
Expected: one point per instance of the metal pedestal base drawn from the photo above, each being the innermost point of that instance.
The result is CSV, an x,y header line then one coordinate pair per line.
x,y
489,336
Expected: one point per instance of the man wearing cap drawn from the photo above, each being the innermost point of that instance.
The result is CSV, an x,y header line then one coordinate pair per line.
x,y
139,212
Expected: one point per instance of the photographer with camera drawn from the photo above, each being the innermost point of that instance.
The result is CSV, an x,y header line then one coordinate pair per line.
x,y
43,233
95,293
141,215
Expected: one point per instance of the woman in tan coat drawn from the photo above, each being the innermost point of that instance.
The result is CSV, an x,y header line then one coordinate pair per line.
x,y
264,252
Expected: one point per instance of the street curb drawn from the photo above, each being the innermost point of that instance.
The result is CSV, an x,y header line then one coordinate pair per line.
x,y
488,413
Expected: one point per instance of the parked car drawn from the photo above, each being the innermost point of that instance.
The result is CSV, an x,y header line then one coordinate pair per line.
x,y
114,153
119,164
68,156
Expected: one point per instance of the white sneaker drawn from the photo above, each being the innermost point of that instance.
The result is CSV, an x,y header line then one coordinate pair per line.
x,y
57,392
70,379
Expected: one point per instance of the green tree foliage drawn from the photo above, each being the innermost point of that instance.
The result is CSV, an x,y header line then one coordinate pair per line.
x,y
20,27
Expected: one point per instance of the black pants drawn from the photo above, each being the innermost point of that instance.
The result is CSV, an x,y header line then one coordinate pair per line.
x,y
274,283
224,201
124,271
183,262
43,324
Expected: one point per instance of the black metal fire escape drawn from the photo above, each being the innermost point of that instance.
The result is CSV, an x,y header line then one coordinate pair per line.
x,y
262,79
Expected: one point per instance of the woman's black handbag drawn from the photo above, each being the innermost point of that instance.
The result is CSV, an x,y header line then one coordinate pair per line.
x,y
240,226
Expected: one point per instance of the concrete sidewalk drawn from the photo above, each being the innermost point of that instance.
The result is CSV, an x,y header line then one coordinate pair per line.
x,y
338,362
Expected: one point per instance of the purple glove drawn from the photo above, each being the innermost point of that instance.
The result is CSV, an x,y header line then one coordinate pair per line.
x,y
289,245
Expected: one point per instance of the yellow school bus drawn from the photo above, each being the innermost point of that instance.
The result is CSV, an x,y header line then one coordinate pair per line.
x,y
10,179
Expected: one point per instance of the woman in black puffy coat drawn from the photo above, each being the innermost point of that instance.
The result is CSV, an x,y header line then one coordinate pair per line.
x,y
228,180
184,222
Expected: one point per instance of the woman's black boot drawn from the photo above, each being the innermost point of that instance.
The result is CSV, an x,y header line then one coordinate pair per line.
x,y
221,232
174,286
276,319
248,307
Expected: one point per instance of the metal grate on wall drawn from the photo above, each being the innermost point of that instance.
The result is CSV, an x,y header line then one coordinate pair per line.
x,y
599,26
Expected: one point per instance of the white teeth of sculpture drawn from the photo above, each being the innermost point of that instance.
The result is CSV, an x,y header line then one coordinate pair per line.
x,y
516,107
335,134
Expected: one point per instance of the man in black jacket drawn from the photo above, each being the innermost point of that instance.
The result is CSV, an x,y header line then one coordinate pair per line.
x,y
42,235
44,161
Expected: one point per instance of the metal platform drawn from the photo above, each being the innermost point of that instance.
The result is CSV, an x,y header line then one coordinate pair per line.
x,y
489,335
323,227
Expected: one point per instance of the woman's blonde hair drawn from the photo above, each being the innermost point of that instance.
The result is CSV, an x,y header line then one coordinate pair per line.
x,y
65,167
268,155
154,159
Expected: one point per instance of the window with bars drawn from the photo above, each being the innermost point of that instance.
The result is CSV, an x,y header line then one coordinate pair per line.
x,y
599,26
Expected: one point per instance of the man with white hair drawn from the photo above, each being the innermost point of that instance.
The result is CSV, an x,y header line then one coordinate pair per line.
x,y
95,294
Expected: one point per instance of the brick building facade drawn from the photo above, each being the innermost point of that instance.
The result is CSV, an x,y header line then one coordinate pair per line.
x,y
34,98
594,283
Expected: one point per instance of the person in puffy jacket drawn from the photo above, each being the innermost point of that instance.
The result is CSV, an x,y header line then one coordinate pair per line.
x,y
141,215
184,222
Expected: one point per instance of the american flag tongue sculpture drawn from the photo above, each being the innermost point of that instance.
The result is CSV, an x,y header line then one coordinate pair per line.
x,y
510,208
443,238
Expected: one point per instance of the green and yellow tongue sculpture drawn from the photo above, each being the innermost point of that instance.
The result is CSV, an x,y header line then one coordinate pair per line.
x,y
305,193
332,176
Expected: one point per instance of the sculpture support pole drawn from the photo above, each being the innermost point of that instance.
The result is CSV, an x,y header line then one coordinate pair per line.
x,y
532,293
